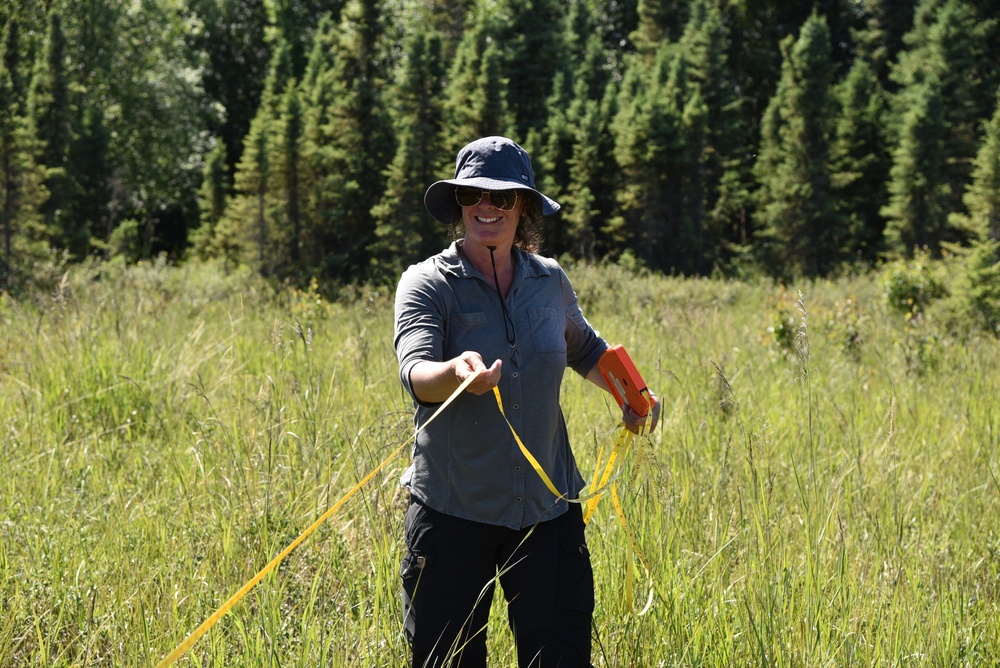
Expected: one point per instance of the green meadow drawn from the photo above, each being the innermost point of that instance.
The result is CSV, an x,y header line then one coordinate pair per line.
x,y
824,490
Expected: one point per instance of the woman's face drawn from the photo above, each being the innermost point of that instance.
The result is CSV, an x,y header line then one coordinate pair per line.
x,y
488,222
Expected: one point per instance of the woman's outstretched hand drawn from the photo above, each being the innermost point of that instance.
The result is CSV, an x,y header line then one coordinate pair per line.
x,y
468,363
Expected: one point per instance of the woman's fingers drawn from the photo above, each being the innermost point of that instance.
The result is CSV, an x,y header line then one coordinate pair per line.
x,y
488,377
635,422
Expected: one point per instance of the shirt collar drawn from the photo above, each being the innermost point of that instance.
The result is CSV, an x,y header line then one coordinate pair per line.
x,y
526,265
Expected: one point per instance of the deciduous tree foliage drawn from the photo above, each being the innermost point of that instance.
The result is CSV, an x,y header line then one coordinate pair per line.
x,y
228,38
695,136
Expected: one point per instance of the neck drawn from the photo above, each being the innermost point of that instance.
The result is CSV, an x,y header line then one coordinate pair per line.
x,y
479,257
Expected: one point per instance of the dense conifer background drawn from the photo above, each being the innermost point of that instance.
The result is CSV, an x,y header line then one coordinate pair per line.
x,y
297,137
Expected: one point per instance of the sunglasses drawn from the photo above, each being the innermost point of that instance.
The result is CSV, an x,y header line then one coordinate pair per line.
x,y
501,199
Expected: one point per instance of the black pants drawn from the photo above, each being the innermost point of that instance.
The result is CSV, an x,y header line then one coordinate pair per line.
x,y
449,573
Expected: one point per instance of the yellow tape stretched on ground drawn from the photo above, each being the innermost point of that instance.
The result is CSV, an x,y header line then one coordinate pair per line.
x,y
218,614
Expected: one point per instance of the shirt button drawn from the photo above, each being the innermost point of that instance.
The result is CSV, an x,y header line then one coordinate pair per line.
x,y
517,468
514,374
518,499
516,406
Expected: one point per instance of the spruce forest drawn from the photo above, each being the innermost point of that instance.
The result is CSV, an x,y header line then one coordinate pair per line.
x,y
692,138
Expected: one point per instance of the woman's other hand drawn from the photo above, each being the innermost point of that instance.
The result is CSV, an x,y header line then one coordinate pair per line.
x,y
635,422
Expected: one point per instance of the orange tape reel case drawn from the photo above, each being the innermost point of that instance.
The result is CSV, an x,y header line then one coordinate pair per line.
x,y
623,379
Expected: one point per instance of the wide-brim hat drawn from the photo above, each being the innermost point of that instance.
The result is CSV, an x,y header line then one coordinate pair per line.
x,y
490,163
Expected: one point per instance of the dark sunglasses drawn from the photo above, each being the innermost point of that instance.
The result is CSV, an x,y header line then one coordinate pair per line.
x,y
501,199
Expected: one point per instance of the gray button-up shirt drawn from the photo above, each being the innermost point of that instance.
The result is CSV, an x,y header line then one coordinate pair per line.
x,y
466,463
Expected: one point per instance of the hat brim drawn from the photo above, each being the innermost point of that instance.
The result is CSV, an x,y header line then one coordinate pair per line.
x,y
440,196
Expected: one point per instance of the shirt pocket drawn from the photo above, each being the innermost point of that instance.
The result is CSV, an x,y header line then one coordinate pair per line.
x,y
467,329
548,329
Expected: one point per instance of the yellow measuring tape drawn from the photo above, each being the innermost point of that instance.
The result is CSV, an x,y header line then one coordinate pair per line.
x,y
602,480
218,614
622,443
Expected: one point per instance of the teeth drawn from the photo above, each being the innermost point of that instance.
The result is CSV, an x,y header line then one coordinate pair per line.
x,y
489,220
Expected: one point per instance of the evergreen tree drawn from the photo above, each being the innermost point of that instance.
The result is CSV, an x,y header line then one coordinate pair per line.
x,y
656,113
982,197
859,167
982,200
213,197
21,192
404,231
528,38
917,212
576,140
755,56
581,211
245,224
10,49
983,284
947,45
9,154
475,98
293,22
551,148
615,22
880,37
51,122
793,171
248,225
319,94
658,20
494,118
348,141
288,166
717,194
448,18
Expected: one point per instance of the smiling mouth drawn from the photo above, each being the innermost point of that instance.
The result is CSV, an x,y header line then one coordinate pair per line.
x,y
483,219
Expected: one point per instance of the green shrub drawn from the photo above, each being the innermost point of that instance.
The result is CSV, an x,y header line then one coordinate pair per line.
x,y
911,285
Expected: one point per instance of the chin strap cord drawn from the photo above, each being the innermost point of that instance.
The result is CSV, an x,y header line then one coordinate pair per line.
x,y
507,319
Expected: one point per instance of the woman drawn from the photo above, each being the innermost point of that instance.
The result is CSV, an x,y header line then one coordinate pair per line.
x,y
479,512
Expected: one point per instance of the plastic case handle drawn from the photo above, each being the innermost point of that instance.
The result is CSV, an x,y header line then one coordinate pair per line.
x,y
626,385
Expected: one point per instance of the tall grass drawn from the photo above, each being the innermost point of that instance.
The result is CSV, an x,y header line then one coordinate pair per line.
x,y
824,491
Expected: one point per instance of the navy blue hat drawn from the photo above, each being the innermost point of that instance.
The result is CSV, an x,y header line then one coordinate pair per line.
x,y
490,163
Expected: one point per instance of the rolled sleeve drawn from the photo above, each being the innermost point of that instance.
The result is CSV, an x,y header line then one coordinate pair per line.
x,y
584,345
419,323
